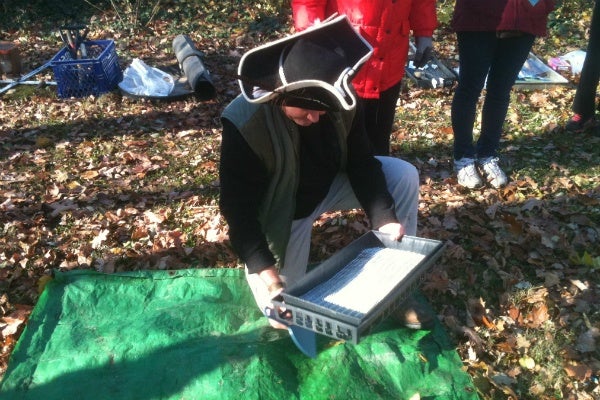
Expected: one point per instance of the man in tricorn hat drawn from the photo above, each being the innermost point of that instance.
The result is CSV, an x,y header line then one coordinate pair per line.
x,y
294,146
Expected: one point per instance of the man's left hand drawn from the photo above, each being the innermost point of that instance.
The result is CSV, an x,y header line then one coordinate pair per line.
x,y
394,229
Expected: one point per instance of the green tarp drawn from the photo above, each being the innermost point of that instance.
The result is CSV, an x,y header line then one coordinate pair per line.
x,y
197,334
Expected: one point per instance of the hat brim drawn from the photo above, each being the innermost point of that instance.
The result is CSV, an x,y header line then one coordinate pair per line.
x,y
313,98
259,68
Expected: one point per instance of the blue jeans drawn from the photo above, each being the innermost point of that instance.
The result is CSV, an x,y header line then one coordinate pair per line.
x,y
481,55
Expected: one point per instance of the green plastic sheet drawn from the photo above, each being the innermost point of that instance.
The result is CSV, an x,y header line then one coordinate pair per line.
x,y
197,334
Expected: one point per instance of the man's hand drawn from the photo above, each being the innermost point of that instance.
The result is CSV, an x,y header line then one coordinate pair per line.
x,y
272,280
275,286
394,229
424,51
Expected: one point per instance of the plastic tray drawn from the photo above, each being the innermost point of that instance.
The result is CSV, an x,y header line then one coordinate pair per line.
x,y
100,73
349,325
433,75
535,74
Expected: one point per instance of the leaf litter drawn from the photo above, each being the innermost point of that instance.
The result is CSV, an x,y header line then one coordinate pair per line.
x,y
114,184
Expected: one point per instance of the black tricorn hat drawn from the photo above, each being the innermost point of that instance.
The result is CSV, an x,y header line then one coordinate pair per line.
x,y
311,69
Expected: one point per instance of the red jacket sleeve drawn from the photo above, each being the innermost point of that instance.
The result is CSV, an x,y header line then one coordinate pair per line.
x,y
423,17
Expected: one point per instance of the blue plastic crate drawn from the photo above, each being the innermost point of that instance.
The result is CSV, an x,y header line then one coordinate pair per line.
x,y
97,74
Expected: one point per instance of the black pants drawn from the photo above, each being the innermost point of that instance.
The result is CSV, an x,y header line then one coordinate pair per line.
x,y
379,119
585,96
487,60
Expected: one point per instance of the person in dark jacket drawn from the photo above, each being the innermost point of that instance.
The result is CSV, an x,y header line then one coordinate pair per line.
x,y
494,40
294,146
584,104
387,26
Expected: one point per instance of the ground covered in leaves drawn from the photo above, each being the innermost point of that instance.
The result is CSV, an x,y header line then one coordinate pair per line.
x,y
114,184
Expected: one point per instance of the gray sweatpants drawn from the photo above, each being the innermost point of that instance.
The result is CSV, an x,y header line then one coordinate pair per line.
x,y
403,184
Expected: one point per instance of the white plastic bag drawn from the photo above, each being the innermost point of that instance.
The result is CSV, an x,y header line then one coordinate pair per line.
x,y
142,80
575,59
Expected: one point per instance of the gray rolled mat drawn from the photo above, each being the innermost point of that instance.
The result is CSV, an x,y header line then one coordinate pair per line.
x,y
190,62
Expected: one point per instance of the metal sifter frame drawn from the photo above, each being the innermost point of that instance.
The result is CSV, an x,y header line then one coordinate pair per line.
x,y
344,326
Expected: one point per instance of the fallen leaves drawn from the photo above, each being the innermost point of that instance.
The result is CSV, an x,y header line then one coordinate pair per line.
x,y
12,322
120,185
581,372
586,341
541,231
527,362
100,238
537,316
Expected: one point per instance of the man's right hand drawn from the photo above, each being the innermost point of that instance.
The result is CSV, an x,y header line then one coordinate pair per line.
x,y
272,280
275,286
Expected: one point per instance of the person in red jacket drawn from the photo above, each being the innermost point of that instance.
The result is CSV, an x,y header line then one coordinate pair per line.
x,y
386,25
494,40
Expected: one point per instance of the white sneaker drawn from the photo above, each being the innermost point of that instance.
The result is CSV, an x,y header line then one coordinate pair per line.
x,y
492,171
467,173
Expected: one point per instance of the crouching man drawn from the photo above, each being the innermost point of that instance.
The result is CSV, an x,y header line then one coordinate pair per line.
x,y
295,146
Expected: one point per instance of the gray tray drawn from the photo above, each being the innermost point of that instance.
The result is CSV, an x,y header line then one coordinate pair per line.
x,y
433,75
346,324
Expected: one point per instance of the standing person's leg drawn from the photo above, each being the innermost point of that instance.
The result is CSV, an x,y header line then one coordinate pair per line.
x,y
585,96
379,119
475,50
508,60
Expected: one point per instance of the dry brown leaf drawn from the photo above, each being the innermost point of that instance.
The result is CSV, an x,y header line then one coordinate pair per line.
x,y
516,226
476,310
10,324
522,342
538,99
586,341
538,315
139,232
579,371
151,217
437,280
515,314
100,238
503,347
89,175
537,295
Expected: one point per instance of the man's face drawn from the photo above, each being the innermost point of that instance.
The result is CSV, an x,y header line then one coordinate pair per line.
x,y
302,116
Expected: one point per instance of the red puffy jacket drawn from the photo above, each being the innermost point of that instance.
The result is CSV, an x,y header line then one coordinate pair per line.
x,y
528,16
385,24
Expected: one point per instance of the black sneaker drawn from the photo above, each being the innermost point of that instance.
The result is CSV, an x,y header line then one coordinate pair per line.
x,y
578,124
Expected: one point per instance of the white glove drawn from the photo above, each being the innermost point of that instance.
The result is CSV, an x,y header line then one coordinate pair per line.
x,y
424,51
